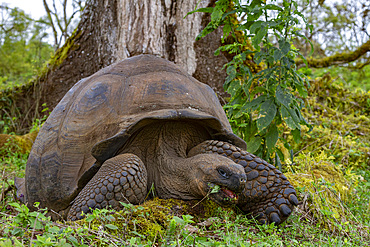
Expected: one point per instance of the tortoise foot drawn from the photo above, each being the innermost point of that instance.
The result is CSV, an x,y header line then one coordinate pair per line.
x,y
268,195
122,178
273,208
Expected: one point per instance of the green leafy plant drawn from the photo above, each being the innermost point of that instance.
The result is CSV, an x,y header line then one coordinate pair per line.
x,y
266,101
177,230
26,219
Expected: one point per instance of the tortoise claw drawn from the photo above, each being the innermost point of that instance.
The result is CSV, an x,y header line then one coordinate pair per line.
x,y
285,210
262,221
274,217
293,199
275,213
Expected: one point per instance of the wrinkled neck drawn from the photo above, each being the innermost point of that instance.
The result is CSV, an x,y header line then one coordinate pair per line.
x,y
163,148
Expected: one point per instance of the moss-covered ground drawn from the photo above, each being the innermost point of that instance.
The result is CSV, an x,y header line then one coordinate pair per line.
x,y
330,169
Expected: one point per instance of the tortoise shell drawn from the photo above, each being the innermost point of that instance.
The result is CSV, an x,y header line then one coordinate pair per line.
x,y
100,113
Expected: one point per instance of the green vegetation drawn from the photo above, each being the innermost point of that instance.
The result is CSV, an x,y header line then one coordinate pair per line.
x,y
330,171
350,77
328,164
263,100
22,47
167,223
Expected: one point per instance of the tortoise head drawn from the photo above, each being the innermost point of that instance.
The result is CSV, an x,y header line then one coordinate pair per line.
x,y
217,177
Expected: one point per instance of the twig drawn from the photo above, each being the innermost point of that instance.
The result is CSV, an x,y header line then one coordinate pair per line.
x,y
33,230
206,196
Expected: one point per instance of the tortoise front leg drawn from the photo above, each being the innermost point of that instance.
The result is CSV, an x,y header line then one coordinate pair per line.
x,y
121,178
268,195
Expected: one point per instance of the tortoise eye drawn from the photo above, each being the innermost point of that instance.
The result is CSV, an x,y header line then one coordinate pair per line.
x,y
223,173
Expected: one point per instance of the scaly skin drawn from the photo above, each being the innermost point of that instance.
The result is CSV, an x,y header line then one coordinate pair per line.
x,y
268,195
122,178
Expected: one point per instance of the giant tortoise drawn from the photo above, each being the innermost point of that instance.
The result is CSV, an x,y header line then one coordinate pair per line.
x,y
144,123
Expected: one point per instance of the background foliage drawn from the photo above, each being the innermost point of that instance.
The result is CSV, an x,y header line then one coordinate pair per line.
x,y
329,166
23,47
264,101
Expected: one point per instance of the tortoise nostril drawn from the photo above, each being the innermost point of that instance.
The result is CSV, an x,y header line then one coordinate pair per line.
x,y
243,180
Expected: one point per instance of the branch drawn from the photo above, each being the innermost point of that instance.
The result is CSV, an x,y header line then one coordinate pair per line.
x,y
66,24
49,13
339,58
360,65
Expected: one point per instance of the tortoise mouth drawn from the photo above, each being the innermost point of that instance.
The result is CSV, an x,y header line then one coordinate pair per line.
x,y
229,193
222,194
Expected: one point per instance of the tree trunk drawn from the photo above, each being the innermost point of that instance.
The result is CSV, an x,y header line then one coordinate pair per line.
x,y
113,30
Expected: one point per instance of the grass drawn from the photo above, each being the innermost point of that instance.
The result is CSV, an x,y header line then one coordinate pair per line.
x,y
219,227
331,173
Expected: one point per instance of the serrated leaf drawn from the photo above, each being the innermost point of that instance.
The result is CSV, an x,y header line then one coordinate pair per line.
x,y
178,220
256,40
63,243
54,229
246,26
90,218
273,7
234,86
302,91
245,88
226,30
267,114
277,55
274,24
231,70
13,242
217,52
283,97
237,98
216,14
208,29
255,26
254,144
284,47
254,104
272,137
229,13
289,117
296,135
215,189
36,224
